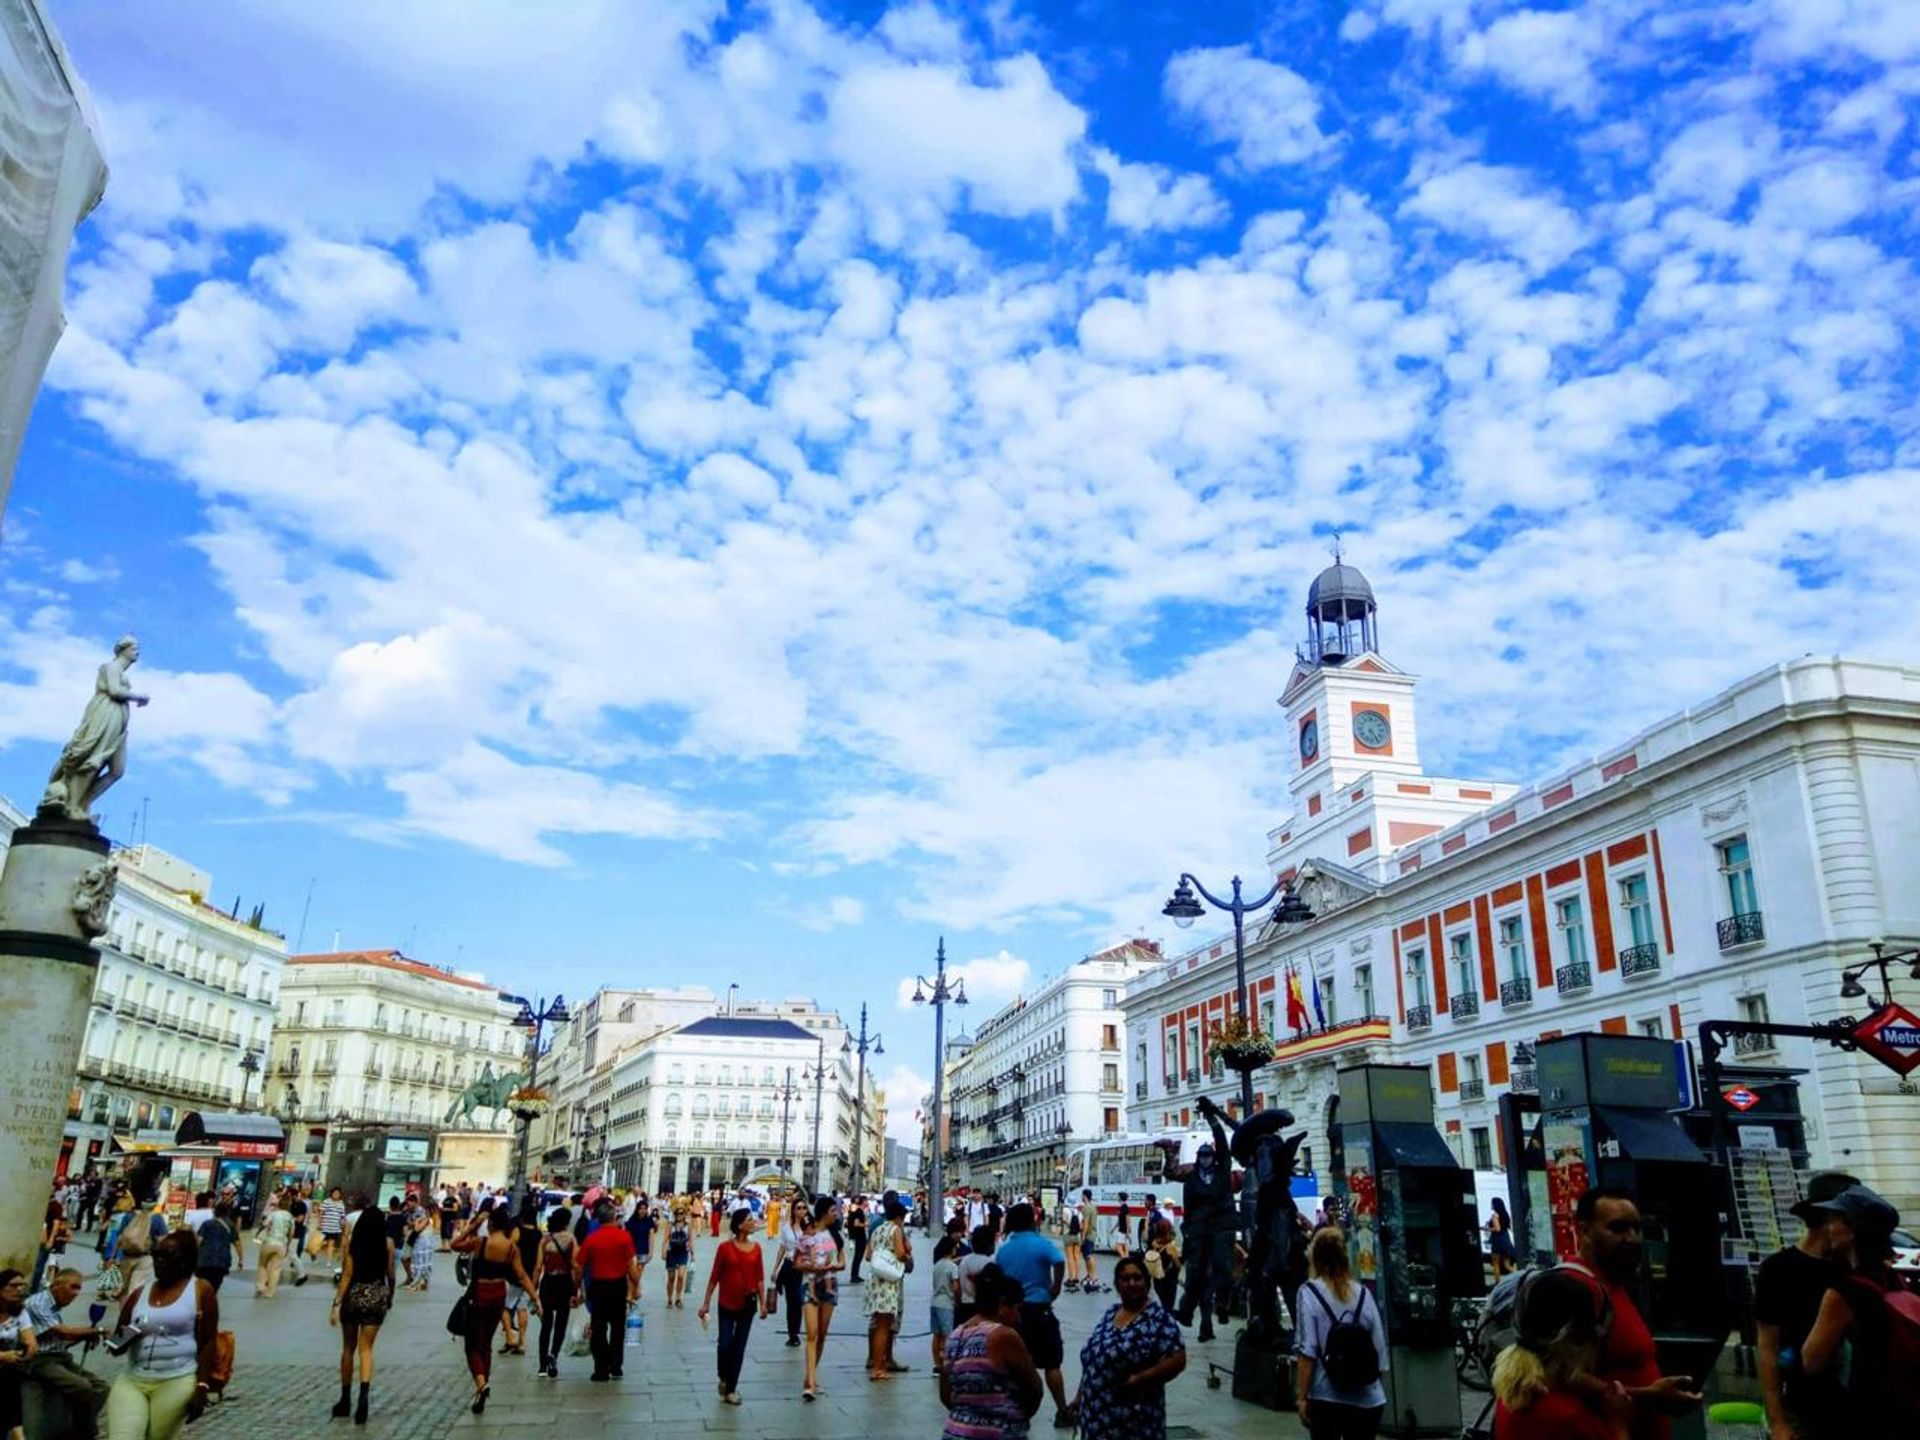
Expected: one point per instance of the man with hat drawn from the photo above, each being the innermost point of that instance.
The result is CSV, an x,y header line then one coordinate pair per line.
x,y
1868,1321
1787,1293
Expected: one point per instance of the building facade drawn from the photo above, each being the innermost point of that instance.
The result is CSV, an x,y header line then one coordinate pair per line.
x,y
1044,1072
374,1037
51,177
1728,862
182,1013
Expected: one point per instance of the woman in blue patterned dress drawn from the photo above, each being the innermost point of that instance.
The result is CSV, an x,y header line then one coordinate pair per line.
x,y
1127,1361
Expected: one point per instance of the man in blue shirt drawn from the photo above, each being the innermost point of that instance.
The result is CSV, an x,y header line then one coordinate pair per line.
x,y
1039,1265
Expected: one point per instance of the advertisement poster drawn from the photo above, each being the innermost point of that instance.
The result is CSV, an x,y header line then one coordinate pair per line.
x,y
1565,1134
1364,1196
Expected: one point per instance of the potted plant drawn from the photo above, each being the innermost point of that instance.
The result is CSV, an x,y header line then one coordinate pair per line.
x,y
1240,1046
529,1103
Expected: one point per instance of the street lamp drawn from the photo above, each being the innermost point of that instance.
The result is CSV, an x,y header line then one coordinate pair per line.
x,y
250,1065
941,997
818,1074
534,1020
1185,908
786,1093
1852,989
848,1047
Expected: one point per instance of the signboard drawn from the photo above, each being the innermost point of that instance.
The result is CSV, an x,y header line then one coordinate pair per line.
x,y
1386,1094
1892,1036
250,1149
408,1151
1740,1097
1633,1071
1756,1137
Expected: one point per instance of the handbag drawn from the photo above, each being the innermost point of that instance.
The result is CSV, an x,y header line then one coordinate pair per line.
x,y
884,1263
457,1317
222,1369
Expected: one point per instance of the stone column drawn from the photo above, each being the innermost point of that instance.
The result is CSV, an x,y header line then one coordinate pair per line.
x,y
55,888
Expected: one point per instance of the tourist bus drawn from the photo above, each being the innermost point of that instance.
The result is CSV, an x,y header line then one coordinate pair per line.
x,y
1133,1166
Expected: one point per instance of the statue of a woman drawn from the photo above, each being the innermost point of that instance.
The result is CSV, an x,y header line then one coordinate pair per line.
x,y
96,756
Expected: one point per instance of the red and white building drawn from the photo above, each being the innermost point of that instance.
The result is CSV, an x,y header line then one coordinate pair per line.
x,y
1726,863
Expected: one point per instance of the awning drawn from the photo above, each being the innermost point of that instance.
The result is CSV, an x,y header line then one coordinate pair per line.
x,y
1417,1147
1648,1134
230,1127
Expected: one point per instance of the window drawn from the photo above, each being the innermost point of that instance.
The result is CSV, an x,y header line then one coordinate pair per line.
x,y
1753,1009
1363,982
1482,1148
1109,1037
380,1017
676,1075
720,1107
1470,1068
766,1075
1110,1120
726,1075
1513,945
1654,1028
1172,1058
337,1013
1639,909
1736,869
1460,953
1417,974
1573,929
702,1075
1109,999
1266,1017
700,1106
1329,1004
672,1107
1195,1055
1109,1077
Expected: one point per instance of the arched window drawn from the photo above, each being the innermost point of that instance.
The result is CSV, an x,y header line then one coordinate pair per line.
x,y
700,1106
672,1107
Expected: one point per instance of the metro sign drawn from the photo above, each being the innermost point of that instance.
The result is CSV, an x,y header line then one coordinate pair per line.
x,y
1740,1098
1892,1036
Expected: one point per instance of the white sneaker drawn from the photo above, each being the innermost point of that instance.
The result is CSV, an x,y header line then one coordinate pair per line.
x,y
731,1397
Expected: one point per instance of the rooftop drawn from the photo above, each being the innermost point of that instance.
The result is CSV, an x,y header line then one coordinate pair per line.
x,y
739,1027
389,960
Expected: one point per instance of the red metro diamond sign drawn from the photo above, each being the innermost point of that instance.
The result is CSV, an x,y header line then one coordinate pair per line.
x,y
1892,1036
1740,1098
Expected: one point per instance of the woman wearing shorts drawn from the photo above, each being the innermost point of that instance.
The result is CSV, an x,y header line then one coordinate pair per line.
x,y
819,1263
1071,1243
679,1257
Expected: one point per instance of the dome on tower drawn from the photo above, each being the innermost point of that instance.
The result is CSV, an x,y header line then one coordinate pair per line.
x,y
1339,586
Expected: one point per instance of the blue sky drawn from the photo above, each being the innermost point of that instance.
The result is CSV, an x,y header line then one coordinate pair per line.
x,y
666,492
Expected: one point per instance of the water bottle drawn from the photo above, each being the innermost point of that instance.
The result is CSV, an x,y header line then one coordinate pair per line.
x,y
636,1323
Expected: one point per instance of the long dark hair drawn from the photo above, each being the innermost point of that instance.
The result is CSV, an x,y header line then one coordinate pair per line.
x,y
368,1245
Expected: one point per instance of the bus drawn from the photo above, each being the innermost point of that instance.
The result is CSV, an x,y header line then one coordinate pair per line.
x,y
1133,1166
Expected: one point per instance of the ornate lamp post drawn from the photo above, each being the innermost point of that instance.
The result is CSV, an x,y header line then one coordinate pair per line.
x,y
528,1103
250,1066
848,1047
787,1096
942,996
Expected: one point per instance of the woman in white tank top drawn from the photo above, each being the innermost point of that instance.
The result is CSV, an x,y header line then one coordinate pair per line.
x,y
166,1380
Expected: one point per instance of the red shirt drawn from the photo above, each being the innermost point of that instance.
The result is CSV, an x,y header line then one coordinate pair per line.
x,y
1628,1355
740,1274
607,1253
1556,1415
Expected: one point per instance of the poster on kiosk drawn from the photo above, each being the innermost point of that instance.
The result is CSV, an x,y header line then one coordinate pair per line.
x,y
1415,1237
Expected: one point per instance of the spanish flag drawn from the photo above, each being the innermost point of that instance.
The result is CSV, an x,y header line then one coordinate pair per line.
x,y
1296,1002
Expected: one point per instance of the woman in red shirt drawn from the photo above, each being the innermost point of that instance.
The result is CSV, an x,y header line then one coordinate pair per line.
x,y
739,1274
1538,1380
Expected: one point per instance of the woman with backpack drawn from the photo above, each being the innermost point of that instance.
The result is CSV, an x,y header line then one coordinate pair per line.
x,y
1340,1347
1876,1317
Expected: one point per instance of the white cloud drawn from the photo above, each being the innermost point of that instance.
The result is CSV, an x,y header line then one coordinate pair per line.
x,y
1267,112
1502,205
904,1088
1549,54
1154,197
836,913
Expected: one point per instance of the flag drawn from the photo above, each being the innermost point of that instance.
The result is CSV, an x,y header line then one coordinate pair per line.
x,y
1319,1013
1296,1002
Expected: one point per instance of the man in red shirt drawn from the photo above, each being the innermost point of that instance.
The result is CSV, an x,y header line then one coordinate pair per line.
x,y
1608,1223
607,1269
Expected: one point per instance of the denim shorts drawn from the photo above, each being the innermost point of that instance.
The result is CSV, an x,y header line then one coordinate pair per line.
x,y
942,1319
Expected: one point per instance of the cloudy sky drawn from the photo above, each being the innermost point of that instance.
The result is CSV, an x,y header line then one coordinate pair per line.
x,y
662,491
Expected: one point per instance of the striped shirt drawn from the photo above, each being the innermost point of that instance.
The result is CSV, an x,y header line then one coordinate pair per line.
x,y
333,1215
984,1406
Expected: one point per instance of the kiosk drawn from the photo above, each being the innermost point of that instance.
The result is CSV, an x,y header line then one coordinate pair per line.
x,y
380,1161
1415,1237
1611,1110
223,1150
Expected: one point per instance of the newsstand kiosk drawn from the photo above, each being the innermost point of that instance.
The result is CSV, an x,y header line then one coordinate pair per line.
x,y
1415,1237
1610,1114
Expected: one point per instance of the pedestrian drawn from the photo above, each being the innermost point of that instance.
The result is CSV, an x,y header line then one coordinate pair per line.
x,y
301,1212
1500,1238
786,1270
1127,1361
990,1386
819,1262
739,1274
1071,1244
554,1269
514,1321
1036,1262
605,1274
1089,1242
1163,1261
495,1266
18,1349
1541,1382
272,1238
1338,1389
679,1257
967,1275
423,1239
892,1261
1787,1293
333,1222
1607,1224
716,1208
946,1284
856,1240
361,1298
219,1244
640,1225
1881,1396
53,1366
169,1372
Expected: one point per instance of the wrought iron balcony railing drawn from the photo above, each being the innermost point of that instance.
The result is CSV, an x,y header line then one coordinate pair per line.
x,y
1419,1017
1574,975
1746,1045
1523,1080
1464,1006
1515,992
1472,1090
1638,960
1737,930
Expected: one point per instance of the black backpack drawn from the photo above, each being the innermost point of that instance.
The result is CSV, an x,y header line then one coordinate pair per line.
x,y
1347,1355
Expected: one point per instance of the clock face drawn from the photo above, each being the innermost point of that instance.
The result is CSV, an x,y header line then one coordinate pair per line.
x,y
1370,728
1309,739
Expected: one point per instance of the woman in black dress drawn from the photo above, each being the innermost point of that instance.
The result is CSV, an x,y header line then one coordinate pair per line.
x,y
360,1303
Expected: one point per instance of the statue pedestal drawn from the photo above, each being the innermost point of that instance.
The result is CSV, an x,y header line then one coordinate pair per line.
x,y
476,1156
47,967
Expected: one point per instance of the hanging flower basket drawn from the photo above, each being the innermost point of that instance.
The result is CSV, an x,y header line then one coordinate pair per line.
x,y
529,1104
1240,1047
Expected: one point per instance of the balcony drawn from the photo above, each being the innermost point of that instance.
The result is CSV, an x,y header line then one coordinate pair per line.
x,y
1738,930
1419,1017
1193,1075
325,1067
1574,976
1139,1089
288,1067
1514,993
1753,1046
1368,1030
373,1070
1171,1082
1523,1080
1464,1006
1638,960
1472,1090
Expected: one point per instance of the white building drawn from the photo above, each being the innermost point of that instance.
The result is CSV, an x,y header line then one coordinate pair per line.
x,y
372,1036
1726,863
726,1096
1044,1071
51,177
183,994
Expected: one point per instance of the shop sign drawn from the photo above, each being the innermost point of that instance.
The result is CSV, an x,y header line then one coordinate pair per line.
x,y
249,1149
1892,1036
